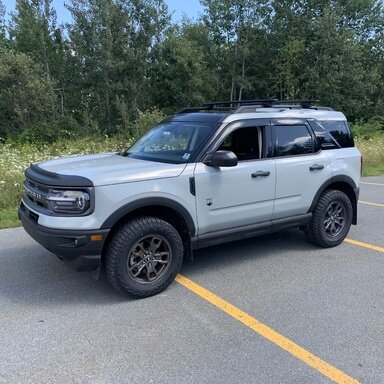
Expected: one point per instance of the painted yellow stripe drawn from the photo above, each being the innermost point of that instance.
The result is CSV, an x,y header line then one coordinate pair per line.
x,y
369,203
365,182
365,245
294,349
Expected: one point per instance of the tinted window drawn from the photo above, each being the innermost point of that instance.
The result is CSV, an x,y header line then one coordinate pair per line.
x,y
324,138
340,132
293,140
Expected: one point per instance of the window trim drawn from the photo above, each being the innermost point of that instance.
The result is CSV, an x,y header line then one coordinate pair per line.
x,y
227,129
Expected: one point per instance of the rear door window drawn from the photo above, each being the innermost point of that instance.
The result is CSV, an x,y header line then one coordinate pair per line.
x,y
292,140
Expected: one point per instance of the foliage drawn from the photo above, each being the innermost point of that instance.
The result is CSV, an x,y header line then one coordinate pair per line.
x,y
145,121
181,76
373,154
115,58
2,25
238,30
109,51
370,129
26,98
328,55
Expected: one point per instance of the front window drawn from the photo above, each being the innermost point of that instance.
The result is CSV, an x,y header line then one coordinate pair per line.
x,y
172,142
245,143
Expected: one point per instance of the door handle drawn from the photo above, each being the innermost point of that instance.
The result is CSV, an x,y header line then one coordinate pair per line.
x,y
316,167
260,174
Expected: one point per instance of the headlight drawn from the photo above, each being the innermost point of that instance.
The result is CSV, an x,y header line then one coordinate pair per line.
x,y
62,201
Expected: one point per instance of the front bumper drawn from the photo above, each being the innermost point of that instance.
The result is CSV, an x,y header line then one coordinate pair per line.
x,y
73,247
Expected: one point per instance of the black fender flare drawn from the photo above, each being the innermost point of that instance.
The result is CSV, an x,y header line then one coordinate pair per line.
x,y
148,202
339,179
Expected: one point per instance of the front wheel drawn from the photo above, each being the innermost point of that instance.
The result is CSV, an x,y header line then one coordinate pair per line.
x,y
143,257
331,220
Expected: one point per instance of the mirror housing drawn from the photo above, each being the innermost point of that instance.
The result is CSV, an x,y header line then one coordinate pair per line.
x,y
221,159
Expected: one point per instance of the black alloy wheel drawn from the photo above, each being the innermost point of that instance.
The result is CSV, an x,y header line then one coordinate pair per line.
x,y
143,256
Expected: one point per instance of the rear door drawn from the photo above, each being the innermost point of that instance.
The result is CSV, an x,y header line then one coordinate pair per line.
x,y
301,169
234,197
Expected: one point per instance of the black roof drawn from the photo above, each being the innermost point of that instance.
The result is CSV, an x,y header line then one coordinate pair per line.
x,y
211,117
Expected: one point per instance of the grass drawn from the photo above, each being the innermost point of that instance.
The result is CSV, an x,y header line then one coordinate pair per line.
x,y
14,159
372,151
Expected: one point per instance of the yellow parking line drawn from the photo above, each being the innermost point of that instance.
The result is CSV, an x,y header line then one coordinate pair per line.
x,y
369,203
294,349
365,245
365,182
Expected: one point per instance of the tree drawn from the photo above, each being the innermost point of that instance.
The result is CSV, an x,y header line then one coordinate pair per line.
x,y
110,46
33,31
235,27
26,98
2,25
328,54
181,73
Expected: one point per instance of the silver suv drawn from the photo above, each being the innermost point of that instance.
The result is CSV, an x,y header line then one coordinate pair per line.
x,y
221,172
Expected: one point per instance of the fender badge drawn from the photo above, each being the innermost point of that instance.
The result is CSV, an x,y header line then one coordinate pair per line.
x,y
209,202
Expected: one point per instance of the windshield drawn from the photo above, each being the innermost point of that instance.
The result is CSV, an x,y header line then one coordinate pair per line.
x,y
174,142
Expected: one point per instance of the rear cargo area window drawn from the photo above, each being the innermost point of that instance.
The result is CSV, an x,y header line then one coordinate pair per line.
x,y
340,132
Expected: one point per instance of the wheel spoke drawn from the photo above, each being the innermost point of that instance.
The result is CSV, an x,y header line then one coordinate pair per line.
x,y
141,248
339,220
159,257
139,266
155,244
338,210
327,223
150,271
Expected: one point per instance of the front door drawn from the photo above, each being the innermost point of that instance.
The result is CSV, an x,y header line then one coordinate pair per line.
x,y
234,197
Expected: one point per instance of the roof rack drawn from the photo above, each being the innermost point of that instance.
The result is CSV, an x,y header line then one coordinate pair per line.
x,y
243,106
238,103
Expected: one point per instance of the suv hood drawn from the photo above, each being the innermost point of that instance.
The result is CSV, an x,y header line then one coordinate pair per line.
x,y
110,168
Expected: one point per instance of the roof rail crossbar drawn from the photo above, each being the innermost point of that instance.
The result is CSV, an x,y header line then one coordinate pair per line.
x,y
237,103
302,103
241,106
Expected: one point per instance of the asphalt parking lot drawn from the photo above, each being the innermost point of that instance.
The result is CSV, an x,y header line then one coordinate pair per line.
x,y
273,309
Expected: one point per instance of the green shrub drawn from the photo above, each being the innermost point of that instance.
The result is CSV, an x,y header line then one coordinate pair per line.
x,y
27,100
369,129
145,121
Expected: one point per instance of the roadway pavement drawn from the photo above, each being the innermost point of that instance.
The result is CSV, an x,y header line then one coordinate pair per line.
x,y
60,326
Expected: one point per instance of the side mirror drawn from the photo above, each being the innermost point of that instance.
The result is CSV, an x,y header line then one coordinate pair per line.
x,y
221,159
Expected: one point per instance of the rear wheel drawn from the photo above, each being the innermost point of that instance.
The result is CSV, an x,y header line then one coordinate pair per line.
x,y
143,257
331,220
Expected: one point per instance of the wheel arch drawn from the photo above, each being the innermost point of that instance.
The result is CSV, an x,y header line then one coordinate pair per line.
x,y
162,208
344,184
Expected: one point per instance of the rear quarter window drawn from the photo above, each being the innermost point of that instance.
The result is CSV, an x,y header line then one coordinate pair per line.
x,y
340,132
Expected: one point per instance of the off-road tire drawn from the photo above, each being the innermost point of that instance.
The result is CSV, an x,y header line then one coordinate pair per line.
x,y
126,256
325,215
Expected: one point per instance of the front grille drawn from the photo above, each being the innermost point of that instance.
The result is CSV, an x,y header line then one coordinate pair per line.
x,y
35,194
